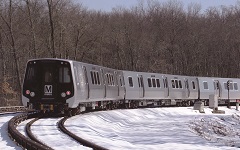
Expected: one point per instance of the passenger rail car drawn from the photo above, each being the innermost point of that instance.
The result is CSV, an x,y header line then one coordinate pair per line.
x,y
66,86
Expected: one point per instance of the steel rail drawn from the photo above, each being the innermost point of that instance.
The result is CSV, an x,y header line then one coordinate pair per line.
x,y
30,134
78,139
25,142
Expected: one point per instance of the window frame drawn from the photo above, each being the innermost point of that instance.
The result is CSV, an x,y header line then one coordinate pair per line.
x,y
130,82
205,85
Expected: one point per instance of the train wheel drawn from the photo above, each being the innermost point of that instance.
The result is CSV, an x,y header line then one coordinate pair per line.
x,y
187,103
68,112
75,111
78,111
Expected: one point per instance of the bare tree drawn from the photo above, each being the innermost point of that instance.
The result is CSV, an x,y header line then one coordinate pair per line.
x,y
11,39
51,22
32,26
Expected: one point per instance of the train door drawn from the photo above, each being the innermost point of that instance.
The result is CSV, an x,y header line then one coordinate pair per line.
x,y
87,82
166,89
187,90
117,83
104,84
49,80
141,86
216,88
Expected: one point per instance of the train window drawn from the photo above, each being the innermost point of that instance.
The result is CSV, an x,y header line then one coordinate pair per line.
x,y
141,81
130,81
113,83
180,84
231,86
193,85
176,83
31,74
215,85
158,83
108,79
92,77
205,85
173,84
154,82
98,79
95,77
225,85
64,75
112,80
149,82
235,86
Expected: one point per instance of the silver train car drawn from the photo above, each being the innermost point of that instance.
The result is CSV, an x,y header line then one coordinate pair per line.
x,y
68,87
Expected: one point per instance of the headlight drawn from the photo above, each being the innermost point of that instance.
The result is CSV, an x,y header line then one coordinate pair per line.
x,y
63,94
32,94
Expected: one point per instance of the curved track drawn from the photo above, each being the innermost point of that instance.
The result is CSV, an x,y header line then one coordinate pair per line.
x,y
78,139
19,138
30,134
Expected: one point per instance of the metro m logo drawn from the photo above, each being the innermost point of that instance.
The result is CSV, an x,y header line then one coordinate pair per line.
x,y
48,90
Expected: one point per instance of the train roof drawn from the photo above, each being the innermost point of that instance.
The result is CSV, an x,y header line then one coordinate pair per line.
x,y
69,60
60,59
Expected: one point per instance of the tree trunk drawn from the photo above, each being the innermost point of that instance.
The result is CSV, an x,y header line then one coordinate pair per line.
x,y
50,12
32,28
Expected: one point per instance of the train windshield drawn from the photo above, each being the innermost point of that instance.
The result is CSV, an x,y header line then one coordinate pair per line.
x,y
48,72
64,75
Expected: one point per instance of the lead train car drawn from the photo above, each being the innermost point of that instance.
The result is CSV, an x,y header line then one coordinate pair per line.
x,y
67,86
60,85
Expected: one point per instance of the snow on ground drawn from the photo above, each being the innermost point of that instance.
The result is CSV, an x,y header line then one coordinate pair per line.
x,y
5,142
150,128
159,128
46,131
222,129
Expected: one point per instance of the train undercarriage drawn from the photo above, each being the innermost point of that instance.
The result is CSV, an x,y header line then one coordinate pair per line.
x,y
63,109
129,104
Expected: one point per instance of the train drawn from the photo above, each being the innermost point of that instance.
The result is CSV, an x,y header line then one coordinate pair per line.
x,y
70,87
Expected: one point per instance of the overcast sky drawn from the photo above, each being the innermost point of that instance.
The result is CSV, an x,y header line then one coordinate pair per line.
x,y
107,5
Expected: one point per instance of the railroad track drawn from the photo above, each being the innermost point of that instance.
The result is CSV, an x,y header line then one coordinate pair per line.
x,y
30,143
78,139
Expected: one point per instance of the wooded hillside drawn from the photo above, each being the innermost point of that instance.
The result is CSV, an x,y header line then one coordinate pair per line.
x,y
157,37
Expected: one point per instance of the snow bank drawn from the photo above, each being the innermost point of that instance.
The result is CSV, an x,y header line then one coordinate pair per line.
x,y
150,128
5,142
